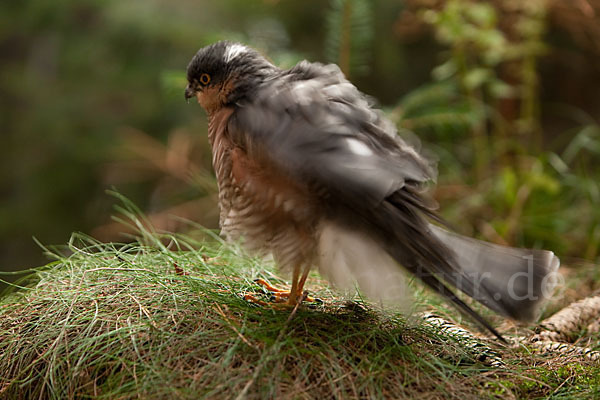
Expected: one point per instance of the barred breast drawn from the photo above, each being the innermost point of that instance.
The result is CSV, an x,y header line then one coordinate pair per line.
x,y
263,210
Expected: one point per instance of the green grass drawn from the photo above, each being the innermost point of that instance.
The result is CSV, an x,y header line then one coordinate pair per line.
x,y
120,321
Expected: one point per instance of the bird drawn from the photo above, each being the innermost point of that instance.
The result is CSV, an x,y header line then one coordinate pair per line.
x,y
310,171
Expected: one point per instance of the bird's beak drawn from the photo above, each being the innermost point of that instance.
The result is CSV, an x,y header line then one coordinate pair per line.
x,y
189,93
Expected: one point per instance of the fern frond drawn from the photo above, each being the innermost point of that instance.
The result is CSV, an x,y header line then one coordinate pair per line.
x,y
349,35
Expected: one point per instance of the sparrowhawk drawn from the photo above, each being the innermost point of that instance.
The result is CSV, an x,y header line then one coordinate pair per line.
x,y
309,171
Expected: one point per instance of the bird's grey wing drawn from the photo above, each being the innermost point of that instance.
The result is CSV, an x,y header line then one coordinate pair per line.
x,y
321,131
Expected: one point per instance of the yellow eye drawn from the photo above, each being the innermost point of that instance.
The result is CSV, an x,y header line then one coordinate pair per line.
x,y
204,79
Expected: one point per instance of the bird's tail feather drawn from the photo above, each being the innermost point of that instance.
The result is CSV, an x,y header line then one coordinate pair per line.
x,y
510,281
513,282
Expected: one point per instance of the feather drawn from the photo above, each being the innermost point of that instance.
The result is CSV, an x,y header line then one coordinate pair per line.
x,y
349,258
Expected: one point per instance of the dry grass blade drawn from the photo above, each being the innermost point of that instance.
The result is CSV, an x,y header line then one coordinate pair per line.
x,y
118,321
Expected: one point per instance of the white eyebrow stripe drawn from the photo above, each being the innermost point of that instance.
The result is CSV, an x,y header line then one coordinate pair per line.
x,y
233,51
358,147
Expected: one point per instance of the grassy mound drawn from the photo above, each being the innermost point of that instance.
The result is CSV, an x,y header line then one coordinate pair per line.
x,y
164,318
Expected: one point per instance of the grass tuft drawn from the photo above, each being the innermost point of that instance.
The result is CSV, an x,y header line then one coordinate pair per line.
x,y
164,317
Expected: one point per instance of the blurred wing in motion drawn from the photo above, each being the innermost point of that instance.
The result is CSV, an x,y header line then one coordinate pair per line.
x,y
319,133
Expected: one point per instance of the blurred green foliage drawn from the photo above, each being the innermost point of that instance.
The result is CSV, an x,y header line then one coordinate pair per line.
x,y
74,73
91,99
526,192
349,35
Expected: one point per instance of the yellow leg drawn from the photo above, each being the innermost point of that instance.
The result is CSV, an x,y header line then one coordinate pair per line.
x,y
303,278
292,299
289,297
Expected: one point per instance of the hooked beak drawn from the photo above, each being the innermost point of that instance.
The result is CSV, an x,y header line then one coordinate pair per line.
x,y
189,93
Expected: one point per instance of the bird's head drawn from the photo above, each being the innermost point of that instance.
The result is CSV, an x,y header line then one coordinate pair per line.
x,y
223,73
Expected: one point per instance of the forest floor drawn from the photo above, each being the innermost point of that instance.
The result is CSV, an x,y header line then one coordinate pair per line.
x,y
165,317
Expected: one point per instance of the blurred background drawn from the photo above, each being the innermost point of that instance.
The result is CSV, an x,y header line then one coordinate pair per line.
x,y
505,93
